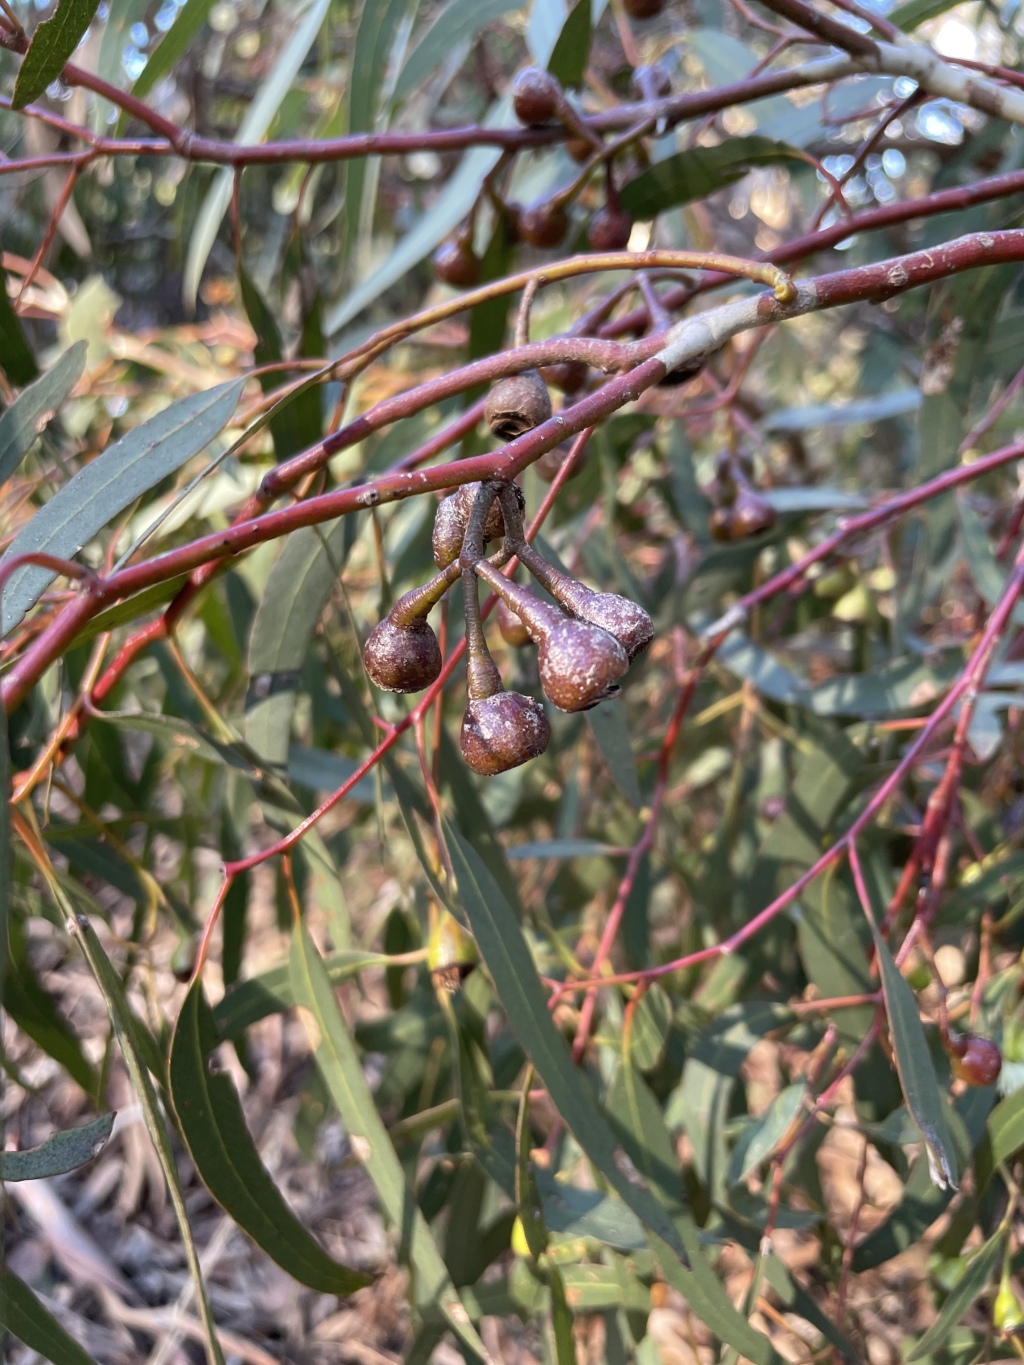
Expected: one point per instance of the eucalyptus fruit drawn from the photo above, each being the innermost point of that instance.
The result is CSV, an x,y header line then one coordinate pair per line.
x,y
536,97
580,664
517,404
451,519
456,263
974,1059
402,658
543,224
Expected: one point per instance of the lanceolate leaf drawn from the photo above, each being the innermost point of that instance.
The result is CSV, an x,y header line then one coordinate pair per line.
x,y
24,1317
16,358
339,1063
34,409
568,60
52,44
213,1125
914,1064
131,1036
696,173
255,124
504,950
31,1007
459,22
61,1152
112,482
980,1270
191,18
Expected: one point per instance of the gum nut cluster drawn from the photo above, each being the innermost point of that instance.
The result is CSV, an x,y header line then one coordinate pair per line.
x,y
584,644
502,731
402,658
450,523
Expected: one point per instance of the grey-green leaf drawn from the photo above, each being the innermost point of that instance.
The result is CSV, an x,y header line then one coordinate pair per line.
x,y
61,1152
914,1065
457,23
339,1064
608,723
52,44
111,483
24,1317
504,950
213,1125
32,411
698,172
972,1283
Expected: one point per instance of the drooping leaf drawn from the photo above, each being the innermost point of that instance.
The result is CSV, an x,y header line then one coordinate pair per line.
x,y
972,1284
137,1049
515,977
700,1103
111,483
53,42
161,61
213,1125
339,1064
459,22
698,172
641,1126
295,424
61,1152
24,1317
16,358
610,729
32,411
257,120
762,1137
916,12
915,1067
446,212
1004,1135
32,1008
571,53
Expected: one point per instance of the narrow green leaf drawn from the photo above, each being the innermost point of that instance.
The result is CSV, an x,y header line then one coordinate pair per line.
x,y
295,423
26,1318
175,42
916,12
700,1102
257,120
134,1049
610,729
457,23
52,44
339,1064
561,1313
446,212
641,1126
111,483
914,1065
571,53
515,977
765,1133
296,592
33,1009
61,1152
1004,1136
248,1001
32,411
971,1285
696,173
213,1125
16,358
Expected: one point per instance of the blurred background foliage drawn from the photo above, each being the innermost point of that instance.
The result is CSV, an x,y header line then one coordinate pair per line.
x,y
218,740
